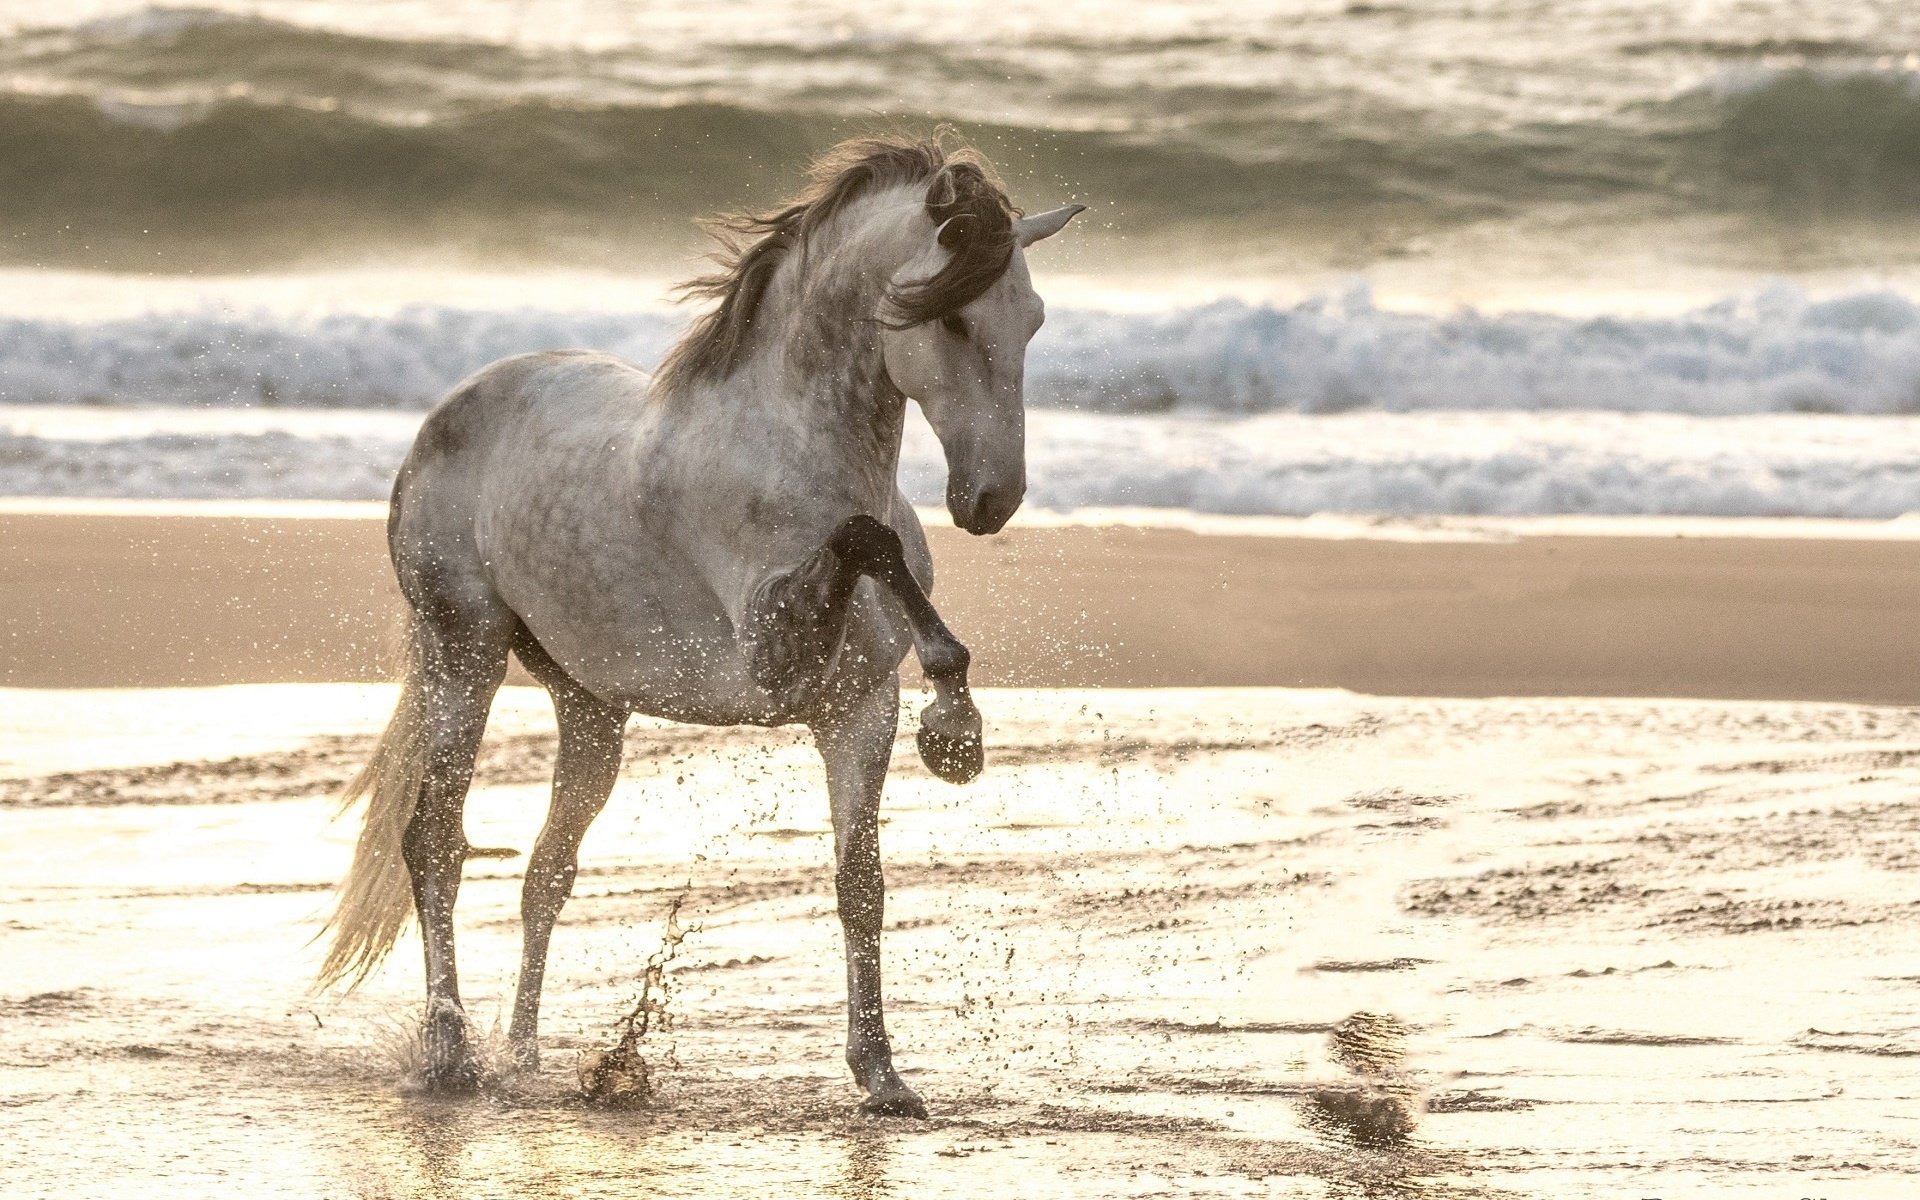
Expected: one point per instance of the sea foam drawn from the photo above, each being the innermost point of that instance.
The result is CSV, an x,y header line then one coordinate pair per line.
x,y
1286,464
1774,403
1778,350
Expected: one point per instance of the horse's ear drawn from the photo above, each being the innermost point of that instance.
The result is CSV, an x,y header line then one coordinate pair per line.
x,y
1028,230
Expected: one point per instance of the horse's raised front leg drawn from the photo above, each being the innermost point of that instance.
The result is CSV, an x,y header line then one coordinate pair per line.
x,y
797,620
855,743
949,738
583,778
794,624
460,671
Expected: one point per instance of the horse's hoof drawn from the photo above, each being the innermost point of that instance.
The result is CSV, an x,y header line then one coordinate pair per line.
x,y
956,760
450,1065
950,741
897,1101
452,1071
453,1078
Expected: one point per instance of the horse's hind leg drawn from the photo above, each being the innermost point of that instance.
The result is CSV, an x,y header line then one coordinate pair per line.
x,y
583,778
855,742
462,663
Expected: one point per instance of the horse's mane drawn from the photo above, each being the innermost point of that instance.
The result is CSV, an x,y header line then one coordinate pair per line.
x,y
963,198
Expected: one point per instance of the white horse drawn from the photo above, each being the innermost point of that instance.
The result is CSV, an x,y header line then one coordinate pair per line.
x,y
705,546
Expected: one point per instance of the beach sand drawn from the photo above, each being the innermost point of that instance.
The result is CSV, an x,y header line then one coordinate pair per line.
x,y
1210,942
1207,941
142,594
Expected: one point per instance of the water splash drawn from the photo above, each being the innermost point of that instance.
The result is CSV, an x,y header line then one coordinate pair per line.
x,y
1383,1103
619,1076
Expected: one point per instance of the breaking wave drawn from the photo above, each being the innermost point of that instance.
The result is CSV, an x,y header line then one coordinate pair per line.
x,y
1775,351
1482,464
187,139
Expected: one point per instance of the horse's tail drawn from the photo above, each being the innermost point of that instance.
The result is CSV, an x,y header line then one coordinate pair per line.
x,y
376,897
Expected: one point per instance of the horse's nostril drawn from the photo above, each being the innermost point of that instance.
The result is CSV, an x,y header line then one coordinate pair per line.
x,y
992,507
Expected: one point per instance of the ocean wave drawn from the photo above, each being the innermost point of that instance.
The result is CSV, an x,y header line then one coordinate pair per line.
x,y
406,359
1506,464
276,464
1778,350
1808,142
1481,464
196,139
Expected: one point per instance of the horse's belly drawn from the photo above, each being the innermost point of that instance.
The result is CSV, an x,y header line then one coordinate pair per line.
x,y
692,671
702,680
636,641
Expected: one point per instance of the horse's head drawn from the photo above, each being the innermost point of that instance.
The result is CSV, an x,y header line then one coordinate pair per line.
x,y
955,328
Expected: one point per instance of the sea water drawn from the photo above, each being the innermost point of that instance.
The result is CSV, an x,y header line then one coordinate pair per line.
x,y
1619,257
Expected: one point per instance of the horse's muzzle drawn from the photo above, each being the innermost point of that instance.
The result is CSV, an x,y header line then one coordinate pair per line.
x,y
987,511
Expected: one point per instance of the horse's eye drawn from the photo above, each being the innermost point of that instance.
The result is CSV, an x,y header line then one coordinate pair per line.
x,y
954,324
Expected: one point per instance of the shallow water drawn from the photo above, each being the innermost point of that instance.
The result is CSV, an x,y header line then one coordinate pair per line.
x,y
1211,943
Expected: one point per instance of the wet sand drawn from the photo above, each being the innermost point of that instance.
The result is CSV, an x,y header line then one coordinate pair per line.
x,y
1213,942
1220,942
154,595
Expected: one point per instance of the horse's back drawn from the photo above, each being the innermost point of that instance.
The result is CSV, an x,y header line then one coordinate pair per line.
x,y
489,433
540,492
502,414
488,405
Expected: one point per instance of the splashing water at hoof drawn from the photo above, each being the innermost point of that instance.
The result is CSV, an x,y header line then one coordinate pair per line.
x,y
487,1062
617,1077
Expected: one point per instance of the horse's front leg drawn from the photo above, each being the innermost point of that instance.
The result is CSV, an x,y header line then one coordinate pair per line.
x,y
794,624
855,742
950,729
796,620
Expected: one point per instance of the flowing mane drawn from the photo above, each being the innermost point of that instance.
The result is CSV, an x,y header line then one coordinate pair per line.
x,y
963,198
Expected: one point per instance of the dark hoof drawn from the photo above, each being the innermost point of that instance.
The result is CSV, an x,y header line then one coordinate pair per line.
x,y
458,1077
954,759
463,1079
897,1101
450,1065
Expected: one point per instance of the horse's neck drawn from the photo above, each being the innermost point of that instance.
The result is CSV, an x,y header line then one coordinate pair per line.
x,y
819,354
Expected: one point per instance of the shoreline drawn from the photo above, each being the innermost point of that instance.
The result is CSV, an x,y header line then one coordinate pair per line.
x,y
188,593
1319,526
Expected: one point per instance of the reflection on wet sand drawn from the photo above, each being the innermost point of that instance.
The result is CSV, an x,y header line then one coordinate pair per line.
x,y
1210,943
868,1156
434,1138
435,1149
